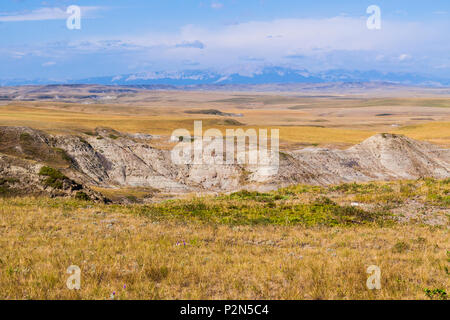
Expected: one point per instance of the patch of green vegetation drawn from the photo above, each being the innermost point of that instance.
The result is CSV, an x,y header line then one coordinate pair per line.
x,y
251,208
51,172
283,156
438,103
114,137
55,178
438,192
25,137
230,122
255,196
38,150
62,153
83,140
439,294
295,205
8,181
438,199
132,198
408,189
5,186
4,190
362,188
82,196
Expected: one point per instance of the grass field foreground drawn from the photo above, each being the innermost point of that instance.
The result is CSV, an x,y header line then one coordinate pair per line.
x,y
289,244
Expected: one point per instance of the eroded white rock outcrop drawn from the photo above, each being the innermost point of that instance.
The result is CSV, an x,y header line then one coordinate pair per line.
x,y
112,159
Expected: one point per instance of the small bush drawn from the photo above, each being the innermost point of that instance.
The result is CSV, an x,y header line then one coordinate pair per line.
x,y
157,274
4,190
5,184
25,137
132,198
256,196
51,172
439,294
82,196
55,179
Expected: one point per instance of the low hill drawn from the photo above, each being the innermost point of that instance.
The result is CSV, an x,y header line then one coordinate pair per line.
x,y
110,159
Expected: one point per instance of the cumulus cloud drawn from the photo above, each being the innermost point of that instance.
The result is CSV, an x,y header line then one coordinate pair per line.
x,y
314,44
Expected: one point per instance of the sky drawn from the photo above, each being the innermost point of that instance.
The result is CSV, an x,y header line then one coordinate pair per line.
x,y
228,36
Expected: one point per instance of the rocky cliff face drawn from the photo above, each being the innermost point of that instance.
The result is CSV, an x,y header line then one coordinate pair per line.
x,y
112,159
381,157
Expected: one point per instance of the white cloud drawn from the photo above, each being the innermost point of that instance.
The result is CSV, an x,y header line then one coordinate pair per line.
x,y
307,37
18,55
42,14
313,44
48,64
216,5
404,57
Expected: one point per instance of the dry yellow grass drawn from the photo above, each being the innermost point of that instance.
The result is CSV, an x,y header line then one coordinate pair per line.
x,y
41,238
118,245
55,119
435,132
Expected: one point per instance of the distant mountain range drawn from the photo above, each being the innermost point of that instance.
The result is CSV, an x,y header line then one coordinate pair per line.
x,y
268,75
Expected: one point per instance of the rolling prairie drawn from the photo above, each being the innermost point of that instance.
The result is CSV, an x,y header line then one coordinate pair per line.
x,y
339,120
295,242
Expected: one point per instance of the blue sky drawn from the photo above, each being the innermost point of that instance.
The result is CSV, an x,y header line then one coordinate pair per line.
x,y
121,37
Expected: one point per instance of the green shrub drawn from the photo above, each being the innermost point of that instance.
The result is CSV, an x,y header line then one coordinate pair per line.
x,y
439,294
252,208
255,196
4,190
55,179
51,172
82,196
132,198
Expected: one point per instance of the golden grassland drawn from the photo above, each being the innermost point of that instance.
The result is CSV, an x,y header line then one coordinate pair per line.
x,y
295,128
300,242
227,247
436,132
